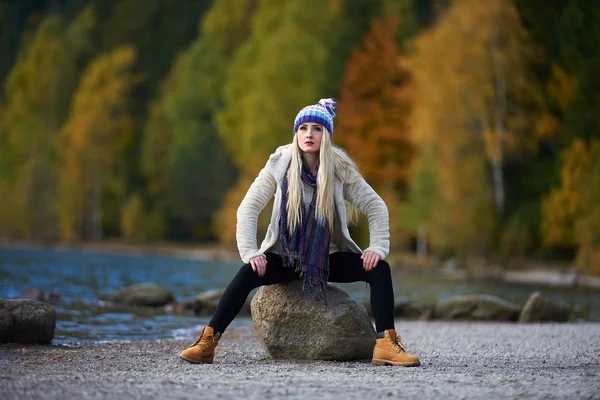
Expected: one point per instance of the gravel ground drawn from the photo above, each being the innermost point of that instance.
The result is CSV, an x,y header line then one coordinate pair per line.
x,y
459,361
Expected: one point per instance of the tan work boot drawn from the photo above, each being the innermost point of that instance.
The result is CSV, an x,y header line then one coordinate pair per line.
x,y
202,351
390,351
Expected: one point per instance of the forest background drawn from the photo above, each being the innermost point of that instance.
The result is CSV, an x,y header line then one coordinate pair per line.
x,y
146,120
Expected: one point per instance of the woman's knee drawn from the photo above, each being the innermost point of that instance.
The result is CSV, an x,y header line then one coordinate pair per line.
x,y
382,269
246,271
246,276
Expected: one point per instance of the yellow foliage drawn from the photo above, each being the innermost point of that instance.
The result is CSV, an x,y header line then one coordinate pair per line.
x,y
562,87
466,71
132,220
226,218
94,139
570,213
546,125
557,222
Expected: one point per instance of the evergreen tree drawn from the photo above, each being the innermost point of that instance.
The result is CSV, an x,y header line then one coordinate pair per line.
x,y
187,168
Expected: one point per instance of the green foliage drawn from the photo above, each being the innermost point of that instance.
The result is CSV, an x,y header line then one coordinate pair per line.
x,y
422,191
79,33
181,143
277,71
273,76
157,29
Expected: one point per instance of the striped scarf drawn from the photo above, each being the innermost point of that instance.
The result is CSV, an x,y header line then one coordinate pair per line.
x,y
307,248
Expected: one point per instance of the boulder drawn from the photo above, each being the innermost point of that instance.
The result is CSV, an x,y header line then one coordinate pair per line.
x,y
26,321
291,324
406,310
413,310
142,294
541,309
206,303
178,307
7,324
477,308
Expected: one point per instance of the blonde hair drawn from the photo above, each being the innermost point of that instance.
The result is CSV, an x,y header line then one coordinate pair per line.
x,y
333,161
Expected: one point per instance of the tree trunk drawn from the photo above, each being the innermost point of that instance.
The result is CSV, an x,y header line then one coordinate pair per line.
x,y
96,206
422,241
499,128
498,180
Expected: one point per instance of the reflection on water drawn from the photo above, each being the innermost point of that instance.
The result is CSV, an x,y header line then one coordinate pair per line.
x,y
81,277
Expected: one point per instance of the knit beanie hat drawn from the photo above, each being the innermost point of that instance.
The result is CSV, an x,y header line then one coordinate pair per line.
x,y
320,113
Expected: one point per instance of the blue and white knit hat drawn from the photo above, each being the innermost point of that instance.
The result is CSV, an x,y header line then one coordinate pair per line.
x,y
320,113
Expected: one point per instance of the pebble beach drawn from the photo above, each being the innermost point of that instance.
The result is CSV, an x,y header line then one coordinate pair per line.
x,y
460,360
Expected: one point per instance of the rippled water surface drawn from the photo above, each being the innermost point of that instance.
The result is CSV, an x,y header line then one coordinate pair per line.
x,y
79,278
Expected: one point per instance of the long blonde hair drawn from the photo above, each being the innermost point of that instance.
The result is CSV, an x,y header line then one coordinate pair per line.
x,y
333,161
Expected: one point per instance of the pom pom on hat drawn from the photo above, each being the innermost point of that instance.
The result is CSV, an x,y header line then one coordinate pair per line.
x,y
329,104
321,113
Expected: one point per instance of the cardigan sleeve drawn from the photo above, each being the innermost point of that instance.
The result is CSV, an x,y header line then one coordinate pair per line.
x,y
364,197
258,195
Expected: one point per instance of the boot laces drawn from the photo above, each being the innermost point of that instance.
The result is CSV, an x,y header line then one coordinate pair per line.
x,y
397,343
204,340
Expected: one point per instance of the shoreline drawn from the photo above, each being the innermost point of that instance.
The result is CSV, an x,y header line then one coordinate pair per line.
x,y
197,252
459,360
536,274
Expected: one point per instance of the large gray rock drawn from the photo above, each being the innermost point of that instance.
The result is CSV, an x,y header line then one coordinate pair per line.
x,y
26,321
291,324
541,309
7,324
141,294
477,308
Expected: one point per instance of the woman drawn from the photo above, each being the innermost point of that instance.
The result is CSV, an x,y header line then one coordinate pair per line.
x,y
317,189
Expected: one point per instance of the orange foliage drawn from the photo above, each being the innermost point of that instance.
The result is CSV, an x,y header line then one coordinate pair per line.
x,y
373,107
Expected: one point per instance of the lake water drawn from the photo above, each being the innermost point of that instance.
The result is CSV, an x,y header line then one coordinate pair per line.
x,y
81,277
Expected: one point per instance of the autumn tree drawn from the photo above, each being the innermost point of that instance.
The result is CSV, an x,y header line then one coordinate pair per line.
x,y
356,18
470,79
373,108
570,212
93,146
474,61
38,92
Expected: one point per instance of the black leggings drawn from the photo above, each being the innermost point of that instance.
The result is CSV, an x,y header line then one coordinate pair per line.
x,y
344,267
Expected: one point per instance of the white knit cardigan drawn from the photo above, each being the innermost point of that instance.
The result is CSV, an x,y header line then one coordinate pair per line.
x,y
268,183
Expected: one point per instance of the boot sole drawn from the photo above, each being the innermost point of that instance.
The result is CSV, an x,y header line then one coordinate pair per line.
x,y
379,362
203,361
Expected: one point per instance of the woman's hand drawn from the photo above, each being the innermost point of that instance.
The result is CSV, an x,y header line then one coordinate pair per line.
x,y
259,264
370,260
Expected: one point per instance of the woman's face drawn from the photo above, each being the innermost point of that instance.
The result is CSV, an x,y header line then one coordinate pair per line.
x,y
309,137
